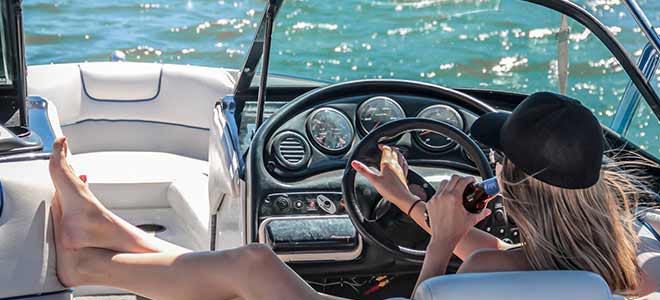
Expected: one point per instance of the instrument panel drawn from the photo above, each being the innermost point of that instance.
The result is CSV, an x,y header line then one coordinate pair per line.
x,y
332,131
319,139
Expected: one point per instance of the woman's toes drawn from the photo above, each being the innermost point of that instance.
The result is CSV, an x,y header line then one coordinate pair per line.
x,y
61,174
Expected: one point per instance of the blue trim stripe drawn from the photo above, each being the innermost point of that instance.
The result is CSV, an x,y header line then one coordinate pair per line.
x,y
2,199
160,79
134,121
38,295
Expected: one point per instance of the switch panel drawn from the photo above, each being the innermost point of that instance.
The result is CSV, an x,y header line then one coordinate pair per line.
x,y
301,203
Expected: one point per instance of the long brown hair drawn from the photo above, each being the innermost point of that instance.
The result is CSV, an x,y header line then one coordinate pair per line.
x,y
590,229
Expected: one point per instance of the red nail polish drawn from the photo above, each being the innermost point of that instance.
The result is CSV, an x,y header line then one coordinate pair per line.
x,y
83,178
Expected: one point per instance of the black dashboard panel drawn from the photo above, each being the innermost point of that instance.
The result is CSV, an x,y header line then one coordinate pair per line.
x,y
320,161
270,181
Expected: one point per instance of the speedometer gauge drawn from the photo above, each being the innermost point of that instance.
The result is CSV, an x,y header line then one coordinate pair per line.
x,y
377,111
330,129
442,113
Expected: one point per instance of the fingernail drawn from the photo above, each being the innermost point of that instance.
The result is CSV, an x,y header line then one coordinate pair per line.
x,y
354,164
83,178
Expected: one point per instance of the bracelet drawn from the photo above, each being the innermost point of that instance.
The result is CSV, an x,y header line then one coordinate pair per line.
x,y
426,218
413,206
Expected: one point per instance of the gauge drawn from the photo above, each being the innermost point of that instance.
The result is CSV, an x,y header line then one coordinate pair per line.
x,y
377,111
442,113
330,129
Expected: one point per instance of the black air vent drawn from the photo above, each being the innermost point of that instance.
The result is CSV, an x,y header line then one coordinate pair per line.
x,y
291,150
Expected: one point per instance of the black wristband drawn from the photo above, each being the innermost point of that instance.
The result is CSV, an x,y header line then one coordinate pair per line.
x,y
413,206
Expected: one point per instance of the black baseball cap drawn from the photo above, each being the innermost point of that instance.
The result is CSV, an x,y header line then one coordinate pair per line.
x,y
550,137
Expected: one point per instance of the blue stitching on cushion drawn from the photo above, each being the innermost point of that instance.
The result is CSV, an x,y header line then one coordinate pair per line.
x,y
134,121
82,80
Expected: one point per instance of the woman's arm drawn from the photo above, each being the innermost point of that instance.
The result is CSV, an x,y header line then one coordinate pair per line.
x,y
438,254
390,183
474,240
449,224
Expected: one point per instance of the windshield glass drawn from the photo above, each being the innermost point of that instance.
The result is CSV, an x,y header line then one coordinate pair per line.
x,y
506,45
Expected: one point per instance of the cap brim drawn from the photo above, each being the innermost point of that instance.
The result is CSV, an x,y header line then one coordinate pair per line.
x,y
486,129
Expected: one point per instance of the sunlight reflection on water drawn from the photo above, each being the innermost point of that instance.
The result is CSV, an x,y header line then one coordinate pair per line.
x,y
497,44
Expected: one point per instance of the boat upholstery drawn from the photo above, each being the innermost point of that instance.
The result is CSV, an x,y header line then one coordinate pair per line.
x,y
537,285
123,106
648,252
27,253
147,187
540,285
111,82
140,132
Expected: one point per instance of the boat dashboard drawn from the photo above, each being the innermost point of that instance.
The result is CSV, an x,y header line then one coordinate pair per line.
x,y
296,164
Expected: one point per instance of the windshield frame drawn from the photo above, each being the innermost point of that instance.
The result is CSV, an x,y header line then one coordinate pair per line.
x,y
564,7
13,96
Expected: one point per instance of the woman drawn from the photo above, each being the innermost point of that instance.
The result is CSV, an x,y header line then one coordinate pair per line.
x,y
571,213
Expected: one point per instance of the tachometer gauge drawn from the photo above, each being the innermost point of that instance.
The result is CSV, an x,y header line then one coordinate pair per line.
x,y
443,113
377,111
330,129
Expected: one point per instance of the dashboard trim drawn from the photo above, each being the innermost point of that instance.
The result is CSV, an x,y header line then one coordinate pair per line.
x,y
311,256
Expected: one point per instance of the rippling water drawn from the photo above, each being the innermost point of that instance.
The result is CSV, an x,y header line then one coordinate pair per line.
x,y
500,44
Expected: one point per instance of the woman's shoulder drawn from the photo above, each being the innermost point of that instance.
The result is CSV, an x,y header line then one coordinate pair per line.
x,y
494,260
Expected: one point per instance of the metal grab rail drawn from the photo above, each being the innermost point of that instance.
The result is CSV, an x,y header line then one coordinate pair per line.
x,y
647,63
644,23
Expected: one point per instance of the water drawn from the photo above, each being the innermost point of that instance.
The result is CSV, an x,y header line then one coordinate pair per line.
x,y
497,44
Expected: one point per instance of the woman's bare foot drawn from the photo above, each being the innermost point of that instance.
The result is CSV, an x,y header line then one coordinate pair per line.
x,y
68,260
85,221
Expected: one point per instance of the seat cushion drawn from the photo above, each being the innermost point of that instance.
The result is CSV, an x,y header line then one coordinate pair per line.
x,y
537,285
127,179
143,186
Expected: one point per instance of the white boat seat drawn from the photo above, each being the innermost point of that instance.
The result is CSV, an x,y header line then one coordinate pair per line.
x,y
537,285
128,106
648,252
145,187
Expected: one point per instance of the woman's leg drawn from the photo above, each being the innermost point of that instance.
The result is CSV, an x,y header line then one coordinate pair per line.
x,y
251,272
88,239
87,223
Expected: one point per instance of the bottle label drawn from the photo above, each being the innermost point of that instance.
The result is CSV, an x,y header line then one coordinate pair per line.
x,y
490,186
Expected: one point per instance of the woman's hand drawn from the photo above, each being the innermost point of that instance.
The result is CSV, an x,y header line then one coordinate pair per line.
x,y
391,181
448,218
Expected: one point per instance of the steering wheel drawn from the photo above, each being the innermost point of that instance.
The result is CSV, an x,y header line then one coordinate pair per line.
x,y
370,216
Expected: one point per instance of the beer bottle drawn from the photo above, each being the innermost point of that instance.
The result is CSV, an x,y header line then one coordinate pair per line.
x,y
476,194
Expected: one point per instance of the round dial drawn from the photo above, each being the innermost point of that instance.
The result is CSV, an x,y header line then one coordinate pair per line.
x,y
442,113
377,111
330,129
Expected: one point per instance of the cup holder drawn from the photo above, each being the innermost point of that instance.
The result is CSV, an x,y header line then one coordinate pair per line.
x,y
152,228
